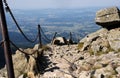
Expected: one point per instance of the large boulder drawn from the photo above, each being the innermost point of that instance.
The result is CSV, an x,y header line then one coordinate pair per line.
x,y
114,39
24,64
118,70
95,41
59,41
108,17
102,40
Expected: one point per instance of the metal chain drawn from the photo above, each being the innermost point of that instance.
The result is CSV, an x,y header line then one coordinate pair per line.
x,y
9,10
53,37
45,35
45,40
1,42
6,4
22,50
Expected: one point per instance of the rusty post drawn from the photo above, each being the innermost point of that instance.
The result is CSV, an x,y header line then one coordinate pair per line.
x,y
5,36
39,35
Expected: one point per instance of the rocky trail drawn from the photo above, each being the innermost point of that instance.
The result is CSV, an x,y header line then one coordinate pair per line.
x,y
95,56
66,62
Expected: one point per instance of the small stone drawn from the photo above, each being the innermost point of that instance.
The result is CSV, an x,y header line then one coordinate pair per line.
x,y
30,75
105,61
21,76
118,70
97,65
84,74
106,71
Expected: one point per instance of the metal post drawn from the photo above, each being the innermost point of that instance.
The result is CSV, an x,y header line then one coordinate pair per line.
x,y
70,39
70,36
7,50
39,33
54,37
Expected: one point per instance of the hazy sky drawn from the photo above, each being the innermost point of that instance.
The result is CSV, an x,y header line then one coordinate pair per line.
x,y
39,4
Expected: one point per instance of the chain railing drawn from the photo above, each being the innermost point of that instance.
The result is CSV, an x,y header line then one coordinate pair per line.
x,y
40,35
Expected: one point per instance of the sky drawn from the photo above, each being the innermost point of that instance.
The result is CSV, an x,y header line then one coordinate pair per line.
x,y
45,4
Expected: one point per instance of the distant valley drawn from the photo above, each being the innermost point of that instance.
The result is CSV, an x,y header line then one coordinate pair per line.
x,y
63,21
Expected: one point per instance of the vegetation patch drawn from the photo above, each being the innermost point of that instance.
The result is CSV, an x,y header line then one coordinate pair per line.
x,y
46,48
80,45
98,53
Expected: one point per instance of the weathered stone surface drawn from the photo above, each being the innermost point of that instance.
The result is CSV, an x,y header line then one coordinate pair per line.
x,y
114,39
108,17
53,74
59,41
23,64
93,36
62,64
3,72
69,66
106,72
103,40
20,63
118,70
84,74
36,47
21,76
97,65
56,74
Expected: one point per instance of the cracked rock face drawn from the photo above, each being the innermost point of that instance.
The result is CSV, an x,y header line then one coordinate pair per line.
x,y
102,40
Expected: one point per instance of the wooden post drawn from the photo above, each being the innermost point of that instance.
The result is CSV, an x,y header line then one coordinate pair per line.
x,y
5,36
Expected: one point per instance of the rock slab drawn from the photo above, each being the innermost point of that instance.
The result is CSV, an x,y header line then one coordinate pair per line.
x,y
108,17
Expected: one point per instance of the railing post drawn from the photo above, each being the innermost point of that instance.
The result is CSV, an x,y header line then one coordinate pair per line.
x,y
39,35
70,40
70,36
54,37
5,36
